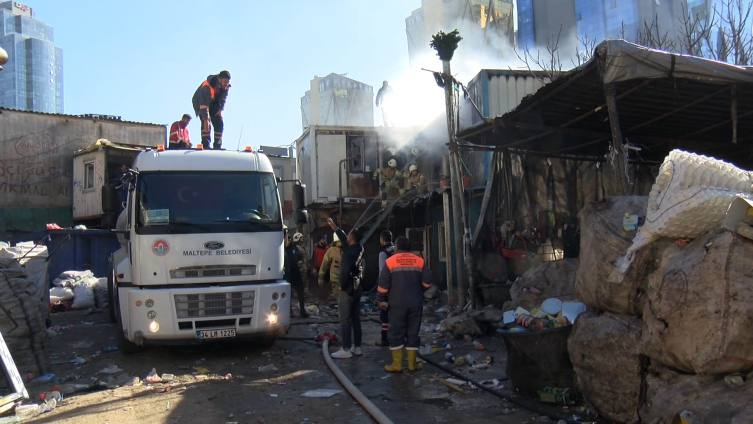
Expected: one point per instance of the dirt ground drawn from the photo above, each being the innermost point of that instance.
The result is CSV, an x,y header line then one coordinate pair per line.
x,y
248,395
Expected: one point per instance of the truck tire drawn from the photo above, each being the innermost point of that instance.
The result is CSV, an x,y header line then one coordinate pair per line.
x,y
126,346
111,291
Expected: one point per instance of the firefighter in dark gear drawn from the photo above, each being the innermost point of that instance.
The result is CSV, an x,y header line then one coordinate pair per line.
x,y
415,181
293,274
404,279
388,180
387,250
208,103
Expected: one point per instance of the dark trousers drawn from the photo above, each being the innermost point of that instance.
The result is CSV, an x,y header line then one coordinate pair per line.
x,y
384,319
300,292
405,323
206,129
349,308
177,146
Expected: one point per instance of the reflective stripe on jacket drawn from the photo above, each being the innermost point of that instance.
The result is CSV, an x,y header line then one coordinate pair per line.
x,y
404,279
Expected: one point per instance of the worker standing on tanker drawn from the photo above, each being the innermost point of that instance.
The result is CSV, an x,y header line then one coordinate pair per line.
x,y
208,103
179,134
386,251
404,278
331,266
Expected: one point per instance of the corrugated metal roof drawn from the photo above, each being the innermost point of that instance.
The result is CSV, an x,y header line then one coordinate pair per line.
x,y
89,116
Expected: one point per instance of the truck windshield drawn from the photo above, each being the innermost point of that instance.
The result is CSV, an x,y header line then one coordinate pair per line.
x,y
200,202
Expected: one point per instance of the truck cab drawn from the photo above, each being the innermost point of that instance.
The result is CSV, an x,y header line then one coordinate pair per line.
x,y
201,254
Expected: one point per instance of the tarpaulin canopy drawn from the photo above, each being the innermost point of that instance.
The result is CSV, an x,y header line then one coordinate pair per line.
x,y
663,101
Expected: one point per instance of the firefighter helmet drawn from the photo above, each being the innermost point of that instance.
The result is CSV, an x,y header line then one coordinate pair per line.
x,y
392,163
297,237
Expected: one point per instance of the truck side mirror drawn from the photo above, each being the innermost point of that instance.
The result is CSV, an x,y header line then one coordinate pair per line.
x,y
300,217
299,197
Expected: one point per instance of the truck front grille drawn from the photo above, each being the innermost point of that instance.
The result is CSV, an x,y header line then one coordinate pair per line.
x,y
213,271
214,304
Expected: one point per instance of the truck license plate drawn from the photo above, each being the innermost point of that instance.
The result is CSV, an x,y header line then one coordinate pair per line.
x,y
215,334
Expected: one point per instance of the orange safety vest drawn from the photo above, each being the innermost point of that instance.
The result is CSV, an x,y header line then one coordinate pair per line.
x,y
211,89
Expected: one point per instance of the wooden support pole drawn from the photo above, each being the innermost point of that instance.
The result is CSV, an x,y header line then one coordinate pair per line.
x,y
447,234
610,90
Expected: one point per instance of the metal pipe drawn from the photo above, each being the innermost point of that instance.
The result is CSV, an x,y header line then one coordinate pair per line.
x,y
375,412
340,188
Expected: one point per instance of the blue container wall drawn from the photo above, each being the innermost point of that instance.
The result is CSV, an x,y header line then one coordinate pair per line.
x,y
85,250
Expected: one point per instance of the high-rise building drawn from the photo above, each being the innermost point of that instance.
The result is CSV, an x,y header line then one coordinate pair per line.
x,y
541,20
337,100
487,27
33,77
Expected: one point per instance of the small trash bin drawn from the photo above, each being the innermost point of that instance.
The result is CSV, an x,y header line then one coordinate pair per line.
x,y
538,359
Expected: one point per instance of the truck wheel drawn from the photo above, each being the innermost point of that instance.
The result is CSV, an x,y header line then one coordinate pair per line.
x,y
126,346
111,291
267,340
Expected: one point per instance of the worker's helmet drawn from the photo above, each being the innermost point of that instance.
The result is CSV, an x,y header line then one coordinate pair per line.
x,y
415,151
413,168
392,163
297,237
335,239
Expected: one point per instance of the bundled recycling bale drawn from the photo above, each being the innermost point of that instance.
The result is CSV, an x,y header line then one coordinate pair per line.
x,y
545,280
608,366
474,323
603,241
699,314
706,399
22,323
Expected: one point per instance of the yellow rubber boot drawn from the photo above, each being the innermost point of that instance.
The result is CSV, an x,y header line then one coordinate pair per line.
x,y
412,366
397,361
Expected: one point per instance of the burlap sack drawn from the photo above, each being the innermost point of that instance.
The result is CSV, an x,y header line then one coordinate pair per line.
x,y
608,366
698,316
706,399
603,240
551,279
22,323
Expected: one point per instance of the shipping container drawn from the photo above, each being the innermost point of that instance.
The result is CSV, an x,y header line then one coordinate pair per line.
x,y
496,92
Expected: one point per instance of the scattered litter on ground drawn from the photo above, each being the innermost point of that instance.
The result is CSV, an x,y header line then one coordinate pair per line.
x,y
168,377
78,360
201,370
274,395
152,377
112,369
108,349
321,393
268,367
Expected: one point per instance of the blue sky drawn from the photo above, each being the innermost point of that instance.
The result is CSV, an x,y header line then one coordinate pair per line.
x,y
144,60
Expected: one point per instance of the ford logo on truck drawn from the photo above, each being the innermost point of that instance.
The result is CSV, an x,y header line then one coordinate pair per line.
x,y
214,245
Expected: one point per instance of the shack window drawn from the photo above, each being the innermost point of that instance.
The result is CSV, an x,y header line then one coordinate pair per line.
x,y
89,175
363,151
441,240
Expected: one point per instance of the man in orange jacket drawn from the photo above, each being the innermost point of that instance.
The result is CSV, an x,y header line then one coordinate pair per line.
x,y
208,103
404,279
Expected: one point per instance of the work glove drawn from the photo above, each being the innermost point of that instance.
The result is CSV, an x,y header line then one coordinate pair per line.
x,y
383,306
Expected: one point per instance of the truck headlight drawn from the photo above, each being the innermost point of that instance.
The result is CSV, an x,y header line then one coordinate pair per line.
x,y
275,296
273,308
151,314
149,303
272,318
154,327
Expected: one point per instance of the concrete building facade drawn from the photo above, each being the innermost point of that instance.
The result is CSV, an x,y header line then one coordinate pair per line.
x,y
337,100
36,162
33,77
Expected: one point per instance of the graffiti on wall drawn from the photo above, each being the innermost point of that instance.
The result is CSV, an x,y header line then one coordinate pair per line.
x,y
35,166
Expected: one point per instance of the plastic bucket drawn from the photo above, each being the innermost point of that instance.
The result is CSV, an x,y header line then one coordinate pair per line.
x,y
537,359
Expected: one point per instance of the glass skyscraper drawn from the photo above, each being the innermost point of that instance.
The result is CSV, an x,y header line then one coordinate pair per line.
x,y
33,77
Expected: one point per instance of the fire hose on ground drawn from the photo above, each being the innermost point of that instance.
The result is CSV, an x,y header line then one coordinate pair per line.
x,y
520,402
375,412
